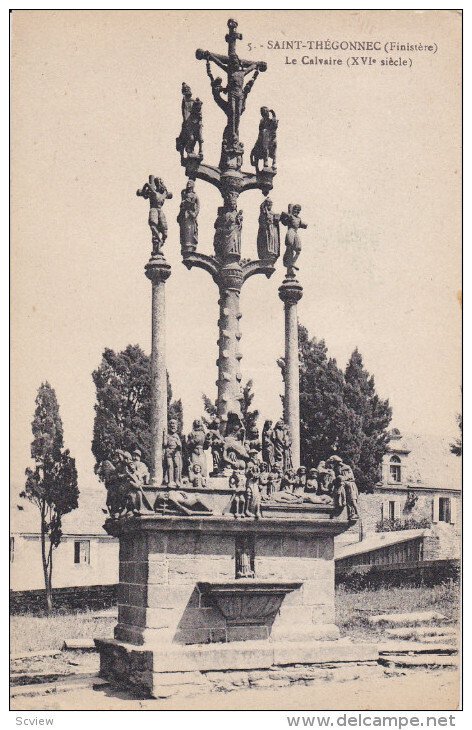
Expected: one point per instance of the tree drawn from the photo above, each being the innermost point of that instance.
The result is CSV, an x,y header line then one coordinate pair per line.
x,y
327,425
123,407
52,484
456,445
175,408
375,415
340,412
249,417
209,408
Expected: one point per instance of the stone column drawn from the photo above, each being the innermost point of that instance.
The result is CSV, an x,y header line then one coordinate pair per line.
x,y
229,357
158,271
290,292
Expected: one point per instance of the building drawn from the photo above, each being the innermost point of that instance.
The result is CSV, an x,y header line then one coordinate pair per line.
x,y
414,513
86,556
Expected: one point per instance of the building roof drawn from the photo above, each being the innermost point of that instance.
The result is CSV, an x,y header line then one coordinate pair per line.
x,y
429,463
87,519
376,541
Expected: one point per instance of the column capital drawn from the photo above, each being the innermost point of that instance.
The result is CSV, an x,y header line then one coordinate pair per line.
x,y
230,277
157,269
290,291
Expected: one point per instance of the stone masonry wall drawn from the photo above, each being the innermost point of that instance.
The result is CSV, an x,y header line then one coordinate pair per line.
x,y
159,600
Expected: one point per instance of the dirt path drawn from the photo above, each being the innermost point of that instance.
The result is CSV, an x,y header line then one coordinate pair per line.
x,y
414,690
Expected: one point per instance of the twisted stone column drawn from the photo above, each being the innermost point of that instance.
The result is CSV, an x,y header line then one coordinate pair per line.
x,y
158,271
290,292
230,280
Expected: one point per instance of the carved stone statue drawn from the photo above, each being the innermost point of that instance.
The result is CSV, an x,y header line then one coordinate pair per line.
x,y
156,192
293,244
172,447
253,493
325,478
282,446
140,467
234,448
268,235
345,490
268,445
188,218
237,482
124,479
228,226
352,493
197,441
192,127
312,490
216,444
176,502
266,144
196,478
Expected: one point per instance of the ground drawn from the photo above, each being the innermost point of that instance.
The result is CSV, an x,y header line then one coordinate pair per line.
x,y
367,687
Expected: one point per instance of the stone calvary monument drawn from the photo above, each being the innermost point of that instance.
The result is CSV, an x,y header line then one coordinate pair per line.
x,y
230,568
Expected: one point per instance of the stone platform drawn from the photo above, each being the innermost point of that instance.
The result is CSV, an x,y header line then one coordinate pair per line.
x,y
150,672
182,608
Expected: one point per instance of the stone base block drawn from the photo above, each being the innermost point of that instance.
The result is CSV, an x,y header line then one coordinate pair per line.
x,y
156,672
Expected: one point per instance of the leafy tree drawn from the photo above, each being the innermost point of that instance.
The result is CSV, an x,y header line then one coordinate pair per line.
x,y
52,484
123,407
209,408
327,424
456,446
340,412
375,415
249,417
174,407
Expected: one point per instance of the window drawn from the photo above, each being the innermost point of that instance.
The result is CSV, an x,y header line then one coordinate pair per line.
x,y
391,510
395,469
12,549
82,552
444,509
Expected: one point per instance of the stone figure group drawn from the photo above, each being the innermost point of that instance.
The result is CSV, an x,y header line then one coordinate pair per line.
x,y
125,477
331,484
191,133
259,472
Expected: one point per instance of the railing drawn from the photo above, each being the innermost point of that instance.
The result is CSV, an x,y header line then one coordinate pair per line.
x,y
408,524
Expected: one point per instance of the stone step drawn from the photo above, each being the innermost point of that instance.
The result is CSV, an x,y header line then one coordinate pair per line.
x,y
452,640
406,619
422,632
419,660
416,647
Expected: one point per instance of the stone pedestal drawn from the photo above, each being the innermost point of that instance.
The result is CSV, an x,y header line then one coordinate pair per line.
x,y
290,292
158,271
180,607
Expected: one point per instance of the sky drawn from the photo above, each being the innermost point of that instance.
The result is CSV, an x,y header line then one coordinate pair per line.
x,y
372,154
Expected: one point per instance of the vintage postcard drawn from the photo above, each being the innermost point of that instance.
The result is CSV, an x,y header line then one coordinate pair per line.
x,y
236,360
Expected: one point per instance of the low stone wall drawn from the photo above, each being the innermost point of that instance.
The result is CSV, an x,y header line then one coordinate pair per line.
x,y
427,572
65,600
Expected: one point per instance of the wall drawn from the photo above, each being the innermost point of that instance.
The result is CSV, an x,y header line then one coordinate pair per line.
x,y
374,507
27,571
159,600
